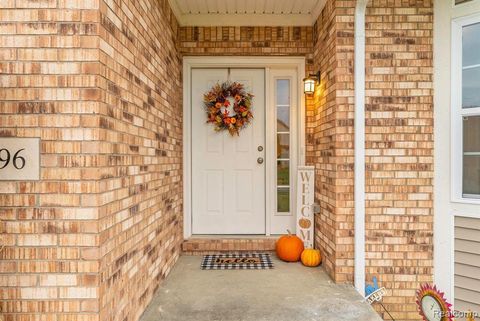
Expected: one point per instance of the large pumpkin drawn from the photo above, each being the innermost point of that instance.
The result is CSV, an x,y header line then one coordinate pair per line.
x,y
289,248
311,257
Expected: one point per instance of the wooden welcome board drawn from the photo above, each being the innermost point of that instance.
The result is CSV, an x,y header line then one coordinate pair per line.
x,y
305,204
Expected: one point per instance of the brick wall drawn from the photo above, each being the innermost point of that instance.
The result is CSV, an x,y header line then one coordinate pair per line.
x,y
141,117
246,41
321,137
399,107
399,133
48,50
99,83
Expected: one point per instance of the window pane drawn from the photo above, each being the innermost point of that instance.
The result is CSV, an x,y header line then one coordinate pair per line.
x,y
471,87
471,45
283,92
471,134
283,200
283,172
471,176
283,119
283,145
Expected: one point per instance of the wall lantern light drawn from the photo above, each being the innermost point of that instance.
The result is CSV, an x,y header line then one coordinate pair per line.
x,y
309,83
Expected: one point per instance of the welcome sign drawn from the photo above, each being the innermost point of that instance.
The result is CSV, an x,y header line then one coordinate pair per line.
x,y
305,202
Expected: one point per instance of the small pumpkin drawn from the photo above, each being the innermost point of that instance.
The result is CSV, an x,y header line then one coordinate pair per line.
x,y
289,247
304,223
311,257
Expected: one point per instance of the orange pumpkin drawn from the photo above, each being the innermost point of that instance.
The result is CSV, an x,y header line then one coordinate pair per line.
x,y
289,248
311,257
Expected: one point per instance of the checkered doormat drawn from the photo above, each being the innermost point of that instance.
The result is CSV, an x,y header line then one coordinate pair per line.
x,y
249,261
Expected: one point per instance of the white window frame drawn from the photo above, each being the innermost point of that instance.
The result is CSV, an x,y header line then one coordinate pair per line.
x,y
458,112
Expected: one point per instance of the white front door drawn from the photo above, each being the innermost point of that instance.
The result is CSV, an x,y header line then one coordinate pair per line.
x,y
228,182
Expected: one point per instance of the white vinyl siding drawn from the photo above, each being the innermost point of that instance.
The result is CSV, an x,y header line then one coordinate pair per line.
x,y
467,264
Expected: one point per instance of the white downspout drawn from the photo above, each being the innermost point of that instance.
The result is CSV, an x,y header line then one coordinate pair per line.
x,y
360,10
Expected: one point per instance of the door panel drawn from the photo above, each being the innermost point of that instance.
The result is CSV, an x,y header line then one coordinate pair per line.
x,y
228,185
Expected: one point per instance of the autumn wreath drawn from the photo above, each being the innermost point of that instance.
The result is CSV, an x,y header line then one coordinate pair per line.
x,y
217,102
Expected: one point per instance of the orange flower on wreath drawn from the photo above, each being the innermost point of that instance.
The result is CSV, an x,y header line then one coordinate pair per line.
x,y
233,120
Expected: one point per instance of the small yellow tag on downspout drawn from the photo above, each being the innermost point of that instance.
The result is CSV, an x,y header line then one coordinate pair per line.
x,y
470,316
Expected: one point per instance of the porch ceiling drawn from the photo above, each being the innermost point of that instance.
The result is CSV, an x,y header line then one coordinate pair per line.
x,y
247,12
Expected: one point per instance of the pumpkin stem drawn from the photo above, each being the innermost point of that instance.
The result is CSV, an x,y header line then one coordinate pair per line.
x,y
289,233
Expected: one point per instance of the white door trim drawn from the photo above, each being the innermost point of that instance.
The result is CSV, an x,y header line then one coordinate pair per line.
x,y
235,62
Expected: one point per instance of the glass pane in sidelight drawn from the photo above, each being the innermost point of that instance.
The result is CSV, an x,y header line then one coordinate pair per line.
x,y
283,200
283,172
471,88
283,145
471,176
471,45
283,92
471,134
283,119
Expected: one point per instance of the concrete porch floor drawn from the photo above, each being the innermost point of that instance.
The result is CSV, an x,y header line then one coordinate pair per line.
x,y
289,292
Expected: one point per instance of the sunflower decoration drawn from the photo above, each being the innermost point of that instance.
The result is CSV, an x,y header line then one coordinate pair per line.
x,y
432,305
228,107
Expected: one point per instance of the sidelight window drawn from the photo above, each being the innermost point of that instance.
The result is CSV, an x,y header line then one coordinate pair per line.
x,y
283,133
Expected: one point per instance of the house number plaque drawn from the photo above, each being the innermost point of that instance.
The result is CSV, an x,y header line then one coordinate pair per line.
x,y
19,159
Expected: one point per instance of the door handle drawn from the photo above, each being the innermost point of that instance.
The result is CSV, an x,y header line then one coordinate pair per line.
x,y
260,160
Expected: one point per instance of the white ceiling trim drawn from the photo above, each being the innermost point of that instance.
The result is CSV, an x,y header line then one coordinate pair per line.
x,y
176,10
250,18
216,20
317,10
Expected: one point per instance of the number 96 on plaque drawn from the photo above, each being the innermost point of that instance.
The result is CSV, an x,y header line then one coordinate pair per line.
x,y
19,159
